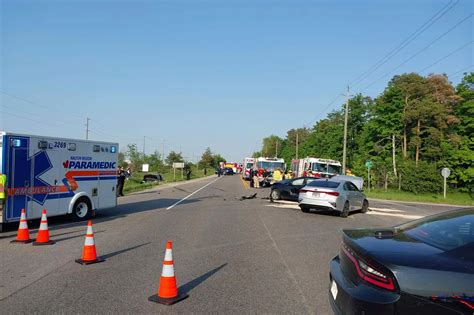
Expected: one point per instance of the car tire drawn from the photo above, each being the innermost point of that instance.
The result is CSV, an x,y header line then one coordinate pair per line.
x,y
304,209
365,206
275,194
82,208
345,211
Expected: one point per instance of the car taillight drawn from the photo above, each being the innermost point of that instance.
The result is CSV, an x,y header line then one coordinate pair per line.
x,y
369,273
332,193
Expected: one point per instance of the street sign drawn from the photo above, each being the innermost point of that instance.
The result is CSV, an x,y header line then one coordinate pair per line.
x,y
445,172
369,164
178,165
145,167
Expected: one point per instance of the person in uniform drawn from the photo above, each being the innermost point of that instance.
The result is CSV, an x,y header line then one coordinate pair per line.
x,y
3,187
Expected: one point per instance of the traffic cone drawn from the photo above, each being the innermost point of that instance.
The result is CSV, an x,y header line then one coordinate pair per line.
x,y
23,235
168,291
43,233
89,254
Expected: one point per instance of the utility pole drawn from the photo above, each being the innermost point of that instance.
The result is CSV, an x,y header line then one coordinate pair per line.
x,y
87,128
163,151
296,145
144,146
346,118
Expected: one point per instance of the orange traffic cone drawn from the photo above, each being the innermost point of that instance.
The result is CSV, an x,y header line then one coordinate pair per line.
x,y
168,292
23,235
43,233
89,254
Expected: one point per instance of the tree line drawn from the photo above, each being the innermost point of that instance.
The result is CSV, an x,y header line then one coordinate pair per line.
x,y
134,159
414,128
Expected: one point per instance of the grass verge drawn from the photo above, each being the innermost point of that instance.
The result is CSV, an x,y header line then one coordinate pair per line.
x,y
454,198
134,183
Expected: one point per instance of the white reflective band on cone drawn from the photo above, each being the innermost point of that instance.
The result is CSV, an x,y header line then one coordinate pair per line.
x,y
168,255
44,226
89,229
89,241
168,271
23,225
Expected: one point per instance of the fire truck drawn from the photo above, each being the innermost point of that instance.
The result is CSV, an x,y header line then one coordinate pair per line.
x,y
64,176
266,164
315,167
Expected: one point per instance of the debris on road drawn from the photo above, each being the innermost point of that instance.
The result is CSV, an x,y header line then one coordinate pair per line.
x,y
248,197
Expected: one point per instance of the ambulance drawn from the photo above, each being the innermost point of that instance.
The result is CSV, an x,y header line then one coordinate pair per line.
x,y
63,176
246,167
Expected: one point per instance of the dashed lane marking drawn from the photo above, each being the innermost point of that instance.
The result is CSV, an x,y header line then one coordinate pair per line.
x,y
385,210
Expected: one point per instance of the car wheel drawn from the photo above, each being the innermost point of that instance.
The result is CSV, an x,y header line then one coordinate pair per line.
x,y
275,194
365,206
82,209
345,210
304,209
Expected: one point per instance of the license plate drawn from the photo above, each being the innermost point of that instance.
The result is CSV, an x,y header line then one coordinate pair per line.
x,y
334,289
309,193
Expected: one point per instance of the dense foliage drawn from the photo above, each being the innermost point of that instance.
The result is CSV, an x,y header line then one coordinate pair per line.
x,y
417,126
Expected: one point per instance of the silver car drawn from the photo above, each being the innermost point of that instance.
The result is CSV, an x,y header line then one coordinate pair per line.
x,y
332,194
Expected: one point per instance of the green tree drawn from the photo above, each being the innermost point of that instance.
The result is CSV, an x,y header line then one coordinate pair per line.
x,y
174,157
207,159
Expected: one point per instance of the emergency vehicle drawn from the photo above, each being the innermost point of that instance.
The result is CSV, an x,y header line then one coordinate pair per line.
x,y
266,164
246,167
315,167
63,176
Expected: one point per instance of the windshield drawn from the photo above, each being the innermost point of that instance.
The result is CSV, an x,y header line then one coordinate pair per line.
x,y
446,232
271,165
248,165
326,168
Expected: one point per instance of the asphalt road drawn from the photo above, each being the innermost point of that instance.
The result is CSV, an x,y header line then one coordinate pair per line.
x,y
231,255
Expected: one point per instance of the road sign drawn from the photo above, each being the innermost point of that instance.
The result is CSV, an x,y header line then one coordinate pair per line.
x,y
178,165
369,164
445,172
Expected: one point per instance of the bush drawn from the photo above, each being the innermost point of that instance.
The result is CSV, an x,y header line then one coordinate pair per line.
x,y
422,178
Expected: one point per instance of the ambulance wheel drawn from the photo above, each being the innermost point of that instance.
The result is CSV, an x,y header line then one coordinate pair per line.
x,y
82,209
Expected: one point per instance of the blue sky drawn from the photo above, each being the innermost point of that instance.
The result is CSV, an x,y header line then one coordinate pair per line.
x,y
197,74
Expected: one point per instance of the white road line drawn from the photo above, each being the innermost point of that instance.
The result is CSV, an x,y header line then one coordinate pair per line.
x,y
399,215
385,210
177,203
284,206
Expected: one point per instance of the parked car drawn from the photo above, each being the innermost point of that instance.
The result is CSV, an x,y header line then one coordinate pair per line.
x,y
288,189
421,267
332,194
152,178
228,171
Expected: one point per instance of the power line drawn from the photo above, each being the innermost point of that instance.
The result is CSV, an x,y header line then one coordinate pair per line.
x,y
405,43
37,104
460,71
447,56
419,51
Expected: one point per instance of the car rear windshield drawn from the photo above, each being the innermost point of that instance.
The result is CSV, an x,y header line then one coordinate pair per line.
x,y
324,184
446,232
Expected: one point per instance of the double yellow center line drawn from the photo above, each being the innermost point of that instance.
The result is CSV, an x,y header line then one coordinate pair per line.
x,y
244,182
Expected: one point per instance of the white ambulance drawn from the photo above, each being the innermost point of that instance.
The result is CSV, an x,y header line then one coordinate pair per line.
x,y
63,176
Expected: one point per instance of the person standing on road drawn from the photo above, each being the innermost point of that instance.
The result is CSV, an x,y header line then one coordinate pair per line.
x,y
120,181
251,173
3,185
277,175
256,182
